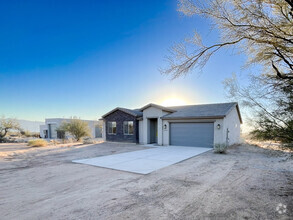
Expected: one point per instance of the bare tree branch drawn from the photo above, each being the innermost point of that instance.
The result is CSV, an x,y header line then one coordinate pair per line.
x,y
259,28
280,74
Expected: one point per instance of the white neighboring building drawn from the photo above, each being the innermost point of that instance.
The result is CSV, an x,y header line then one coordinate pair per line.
x,y
48,130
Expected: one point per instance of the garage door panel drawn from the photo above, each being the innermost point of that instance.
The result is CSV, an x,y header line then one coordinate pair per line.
x,y
192,134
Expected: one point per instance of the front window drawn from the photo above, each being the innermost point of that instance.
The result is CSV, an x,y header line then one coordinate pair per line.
x,y
128,127
111,127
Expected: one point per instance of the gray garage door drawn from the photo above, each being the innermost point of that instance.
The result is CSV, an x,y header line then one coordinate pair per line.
x,y
192,134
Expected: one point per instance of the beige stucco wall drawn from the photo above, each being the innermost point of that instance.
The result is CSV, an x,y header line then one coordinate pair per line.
x,y
232,123
218,133
148,113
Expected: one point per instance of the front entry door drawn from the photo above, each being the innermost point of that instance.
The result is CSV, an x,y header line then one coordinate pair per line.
x,y
153,131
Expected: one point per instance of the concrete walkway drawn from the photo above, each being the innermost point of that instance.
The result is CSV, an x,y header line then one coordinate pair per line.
x,y
145,161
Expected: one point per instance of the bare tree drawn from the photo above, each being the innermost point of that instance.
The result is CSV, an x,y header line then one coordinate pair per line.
x,y
262,29
7,125
270,105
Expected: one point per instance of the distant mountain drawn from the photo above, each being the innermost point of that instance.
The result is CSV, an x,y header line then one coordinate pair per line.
x,y
32,126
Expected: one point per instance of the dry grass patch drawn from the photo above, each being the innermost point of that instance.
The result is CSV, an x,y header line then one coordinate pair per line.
x,y
272,145
37,143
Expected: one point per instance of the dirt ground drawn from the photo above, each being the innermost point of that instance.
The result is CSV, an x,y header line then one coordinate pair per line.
x,y
42,183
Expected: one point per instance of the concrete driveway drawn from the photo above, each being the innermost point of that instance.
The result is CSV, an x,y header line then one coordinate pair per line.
x,y
145,161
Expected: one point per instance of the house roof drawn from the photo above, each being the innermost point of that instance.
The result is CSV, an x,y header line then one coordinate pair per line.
x,y
218,110
134,112
167,109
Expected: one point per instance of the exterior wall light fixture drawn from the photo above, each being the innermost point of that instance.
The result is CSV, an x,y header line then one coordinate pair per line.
x,y
165,126
218,126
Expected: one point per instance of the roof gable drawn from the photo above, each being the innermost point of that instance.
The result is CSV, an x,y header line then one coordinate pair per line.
x,y
134,112
167,109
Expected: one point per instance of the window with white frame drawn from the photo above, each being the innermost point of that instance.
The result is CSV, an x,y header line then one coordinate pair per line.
x,y
111,127
128,127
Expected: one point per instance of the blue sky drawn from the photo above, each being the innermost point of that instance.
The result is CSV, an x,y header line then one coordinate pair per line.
x,y
84,58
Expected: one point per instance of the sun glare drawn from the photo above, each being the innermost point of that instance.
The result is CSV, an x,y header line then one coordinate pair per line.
x,y
173,102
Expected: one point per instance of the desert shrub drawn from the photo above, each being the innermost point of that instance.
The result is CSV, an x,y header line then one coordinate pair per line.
x,y
68,140
220,148
35,134
26,133
37,143
77,128
88,141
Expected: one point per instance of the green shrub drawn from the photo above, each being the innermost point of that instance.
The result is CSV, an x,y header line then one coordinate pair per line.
x,y
77,128
37,143
220,148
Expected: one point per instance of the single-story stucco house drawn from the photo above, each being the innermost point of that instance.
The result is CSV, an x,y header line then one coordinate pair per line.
x,y
190,125
50,129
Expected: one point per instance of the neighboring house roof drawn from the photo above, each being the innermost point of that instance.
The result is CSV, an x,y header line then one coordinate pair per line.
x,y
134,112
219,110
167,109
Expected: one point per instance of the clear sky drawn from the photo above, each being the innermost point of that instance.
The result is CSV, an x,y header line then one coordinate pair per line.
x,y
84,58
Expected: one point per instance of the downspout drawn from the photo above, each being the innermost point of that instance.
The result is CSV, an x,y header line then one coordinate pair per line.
x,y
227,137
162,132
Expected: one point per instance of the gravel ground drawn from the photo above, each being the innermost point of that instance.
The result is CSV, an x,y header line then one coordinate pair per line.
x,y
42,183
